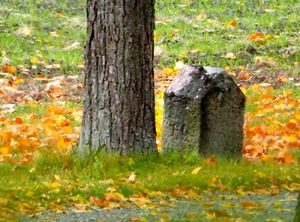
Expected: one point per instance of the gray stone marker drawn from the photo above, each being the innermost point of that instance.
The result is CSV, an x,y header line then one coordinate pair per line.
x,y
203,109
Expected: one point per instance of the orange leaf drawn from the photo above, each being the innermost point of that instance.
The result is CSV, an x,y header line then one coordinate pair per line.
x,y
282,79
2,118
214,180
103,203
291,125
115,197
57,90
211,160
255,36
65,123
231,23
268,97
19,120
9,69
244,76
40,76
287,158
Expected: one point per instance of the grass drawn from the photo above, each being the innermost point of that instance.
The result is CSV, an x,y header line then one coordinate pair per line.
x,y
41,18
64,179
200,26
41,32
189,31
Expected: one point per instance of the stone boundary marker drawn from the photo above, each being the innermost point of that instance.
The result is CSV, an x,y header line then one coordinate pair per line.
x,y
203,109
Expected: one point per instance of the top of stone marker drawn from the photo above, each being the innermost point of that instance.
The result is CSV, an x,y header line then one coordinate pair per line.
x,y
195,82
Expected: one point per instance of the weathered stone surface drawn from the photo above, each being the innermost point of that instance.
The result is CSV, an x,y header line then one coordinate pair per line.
x,y
204,109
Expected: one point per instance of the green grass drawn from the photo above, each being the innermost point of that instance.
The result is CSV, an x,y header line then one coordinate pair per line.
x,y
212,39
189,25
65,18
81,178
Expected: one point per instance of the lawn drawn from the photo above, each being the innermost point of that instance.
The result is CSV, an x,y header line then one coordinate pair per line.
x,y
41,61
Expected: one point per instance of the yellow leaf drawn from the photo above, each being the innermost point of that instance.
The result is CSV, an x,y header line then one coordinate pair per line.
x,y
55,185
292,187
29,193
243,89
297,115
23,31
5,150
200,17
36,61
64,144
179,65
18,80
230,55
132,178
196,170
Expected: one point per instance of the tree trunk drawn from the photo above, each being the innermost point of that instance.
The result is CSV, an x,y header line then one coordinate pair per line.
x,y
119,85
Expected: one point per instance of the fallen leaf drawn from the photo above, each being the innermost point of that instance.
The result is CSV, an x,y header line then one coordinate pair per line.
x,y
232,23
139,200
36,61
55,185
19,120
75,45
196,170
3,202
23,31
115,197
291,125
9,69
282,79
179,65
244,76
250,204
230,55
132,178
211,160
5,150
103,203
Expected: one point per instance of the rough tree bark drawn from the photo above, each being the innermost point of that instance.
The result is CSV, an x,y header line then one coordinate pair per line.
x,y
119,87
